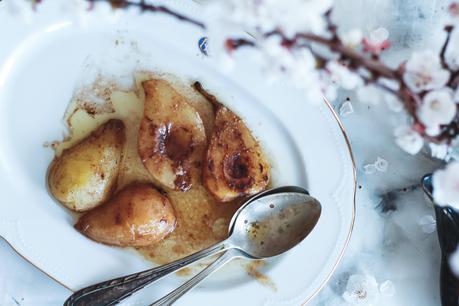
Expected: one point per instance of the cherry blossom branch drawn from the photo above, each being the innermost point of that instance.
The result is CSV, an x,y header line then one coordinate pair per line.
x,y
144,7
365,63
372,65
357,60
448,30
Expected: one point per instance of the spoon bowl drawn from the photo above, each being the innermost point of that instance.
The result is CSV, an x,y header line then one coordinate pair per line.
x,y
267,225
274,223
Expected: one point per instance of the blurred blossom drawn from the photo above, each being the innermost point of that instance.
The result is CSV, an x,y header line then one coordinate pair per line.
x,y
446,185
369,168
341,76
361,290
346,109
381,164
387,288
377,41
423,71
440,151
408,139
428,224
437,108
352,38
288,16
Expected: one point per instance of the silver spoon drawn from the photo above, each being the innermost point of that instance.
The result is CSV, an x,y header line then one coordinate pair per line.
x,y
267,227
113,291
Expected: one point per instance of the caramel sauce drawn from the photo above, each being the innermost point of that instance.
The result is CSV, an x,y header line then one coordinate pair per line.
x,y
253,270
201,220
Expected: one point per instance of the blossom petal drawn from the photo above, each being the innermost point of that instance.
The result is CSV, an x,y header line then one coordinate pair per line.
x,y
408,139
446,185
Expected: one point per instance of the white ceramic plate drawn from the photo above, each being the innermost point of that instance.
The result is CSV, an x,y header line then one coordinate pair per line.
x,y
41,63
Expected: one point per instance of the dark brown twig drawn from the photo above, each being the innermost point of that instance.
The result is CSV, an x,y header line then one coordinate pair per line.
x,y
144,7
448,30
331,26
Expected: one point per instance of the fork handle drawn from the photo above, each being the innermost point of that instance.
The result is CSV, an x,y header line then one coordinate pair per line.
x,y
113,291
174,295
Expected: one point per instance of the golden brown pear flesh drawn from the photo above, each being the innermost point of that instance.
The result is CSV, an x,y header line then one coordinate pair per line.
x,y
172,138
85,175
235,164
138,215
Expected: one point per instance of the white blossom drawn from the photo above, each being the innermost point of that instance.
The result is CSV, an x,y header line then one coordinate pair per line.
x,y
297,66
361,290
369,94
387,288
341,76
275,59
454,262
427,224
346,109
369,168
377,41
379,35
423,71
352,38
303,73
408,139
326,87
446,185
437,108
440,151
254,16
381,164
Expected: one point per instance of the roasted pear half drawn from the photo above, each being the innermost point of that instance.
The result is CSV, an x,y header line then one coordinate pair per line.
x,y
85,175
235,165
138,215
172,139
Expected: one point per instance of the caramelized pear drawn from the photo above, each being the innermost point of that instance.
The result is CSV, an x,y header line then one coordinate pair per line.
x,y
235,165
172,138
85,175
138,215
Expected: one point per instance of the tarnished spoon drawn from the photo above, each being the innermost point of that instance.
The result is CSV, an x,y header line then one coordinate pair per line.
x,y
267,227
291,208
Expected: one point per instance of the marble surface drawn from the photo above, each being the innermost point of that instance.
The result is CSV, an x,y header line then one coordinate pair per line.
x,y
389,241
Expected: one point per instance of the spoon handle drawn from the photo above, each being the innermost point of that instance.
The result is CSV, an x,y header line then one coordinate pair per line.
x,y
115,290
174,295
